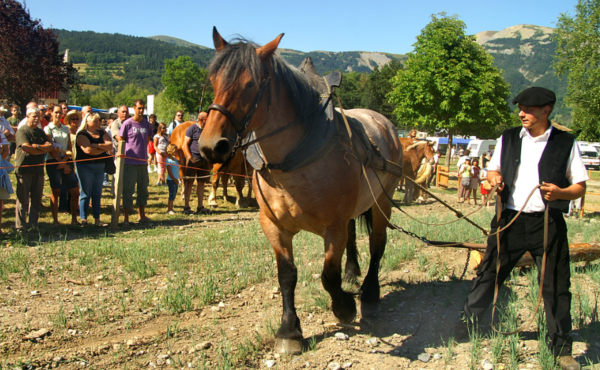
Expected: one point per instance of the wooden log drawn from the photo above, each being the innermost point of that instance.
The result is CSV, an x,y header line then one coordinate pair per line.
x,y
577,252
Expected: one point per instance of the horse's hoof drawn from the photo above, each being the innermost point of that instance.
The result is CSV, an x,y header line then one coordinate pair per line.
x,y
289,346
351,277
345,311
369,308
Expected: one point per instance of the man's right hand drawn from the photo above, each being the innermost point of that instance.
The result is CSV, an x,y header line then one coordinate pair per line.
x,y
495,178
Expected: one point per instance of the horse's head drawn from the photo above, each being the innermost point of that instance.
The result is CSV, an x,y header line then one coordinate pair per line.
x,y
239,74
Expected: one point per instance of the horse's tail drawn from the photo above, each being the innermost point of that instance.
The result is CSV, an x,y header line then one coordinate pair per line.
x,y
365,220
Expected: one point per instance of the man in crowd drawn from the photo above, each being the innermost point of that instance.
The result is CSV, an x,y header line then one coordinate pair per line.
x,y
176,122
65,109
24,121
6,127
135,132
13,120
526,156
115,126
86,109
32,145
197,166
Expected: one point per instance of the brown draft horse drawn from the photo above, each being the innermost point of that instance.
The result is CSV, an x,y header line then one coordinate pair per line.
x,y
320,197
418,162
237,166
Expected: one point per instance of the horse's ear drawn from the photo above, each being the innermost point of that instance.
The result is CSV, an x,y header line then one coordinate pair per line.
x,y
219,42
267,51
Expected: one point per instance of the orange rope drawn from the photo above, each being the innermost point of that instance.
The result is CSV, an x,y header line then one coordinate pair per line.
x,y
122,156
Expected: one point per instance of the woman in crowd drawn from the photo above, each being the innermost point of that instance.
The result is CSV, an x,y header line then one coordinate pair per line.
x,y
475,179
161,141
92,143
59,171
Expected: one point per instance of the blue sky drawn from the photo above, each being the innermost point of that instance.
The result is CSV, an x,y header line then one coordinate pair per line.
x,y
367,25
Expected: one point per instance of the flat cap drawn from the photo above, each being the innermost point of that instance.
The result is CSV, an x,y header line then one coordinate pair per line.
x,y
535,97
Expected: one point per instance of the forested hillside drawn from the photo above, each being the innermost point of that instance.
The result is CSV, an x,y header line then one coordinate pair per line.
x,y
110,62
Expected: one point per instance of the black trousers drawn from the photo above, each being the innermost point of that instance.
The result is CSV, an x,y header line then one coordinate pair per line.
x,y
527,235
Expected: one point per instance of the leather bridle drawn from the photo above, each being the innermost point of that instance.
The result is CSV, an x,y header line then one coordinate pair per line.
x,y
242,125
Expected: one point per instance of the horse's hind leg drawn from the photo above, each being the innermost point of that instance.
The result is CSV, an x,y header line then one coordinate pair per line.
x,y
289,335
370,300
342,303
239,195
352,270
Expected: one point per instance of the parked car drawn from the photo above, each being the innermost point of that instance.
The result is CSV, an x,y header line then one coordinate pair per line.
x,y
589,154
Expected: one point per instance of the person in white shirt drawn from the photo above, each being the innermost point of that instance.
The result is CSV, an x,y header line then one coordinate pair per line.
x,y
526,156
176,122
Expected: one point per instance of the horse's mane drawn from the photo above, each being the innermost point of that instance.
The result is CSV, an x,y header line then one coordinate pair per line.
x,y
415,145
240,55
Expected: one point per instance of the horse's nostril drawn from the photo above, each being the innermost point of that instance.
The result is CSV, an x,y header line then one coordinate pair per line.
x,y
222,148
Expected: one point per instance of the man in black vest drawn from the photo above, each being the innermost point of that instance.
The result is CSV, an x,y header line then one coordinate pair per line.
x,y
536,153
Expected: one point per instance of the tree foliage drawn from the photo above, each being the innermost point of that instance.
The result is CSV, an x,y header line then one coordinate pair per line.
x,y
29,59
183,82
578,53
449,82
378,85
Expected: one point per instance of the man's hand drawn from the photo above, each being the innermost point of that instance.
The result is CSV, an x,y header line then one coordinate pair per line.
x,y
67,170
495,178
550,192
176,181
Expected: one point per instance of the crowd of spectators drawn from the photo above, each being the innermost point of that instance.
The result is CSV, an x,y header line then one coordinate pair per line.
x,y
74,151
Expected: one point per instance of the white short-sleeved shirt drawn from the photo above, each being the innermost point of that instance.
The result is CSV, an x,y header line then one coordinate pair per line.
x,y
5,125
527,176
60,135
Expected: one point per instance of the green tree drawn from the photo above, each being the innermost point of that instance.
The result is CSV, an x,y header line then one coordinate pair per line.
x,y
449,82
578,55
379,84
103,99
351,90
165,109
129,95
183,82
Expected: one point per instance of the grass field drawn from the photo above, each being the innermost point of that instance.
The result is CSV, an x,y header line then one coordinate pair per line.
x,y
171,287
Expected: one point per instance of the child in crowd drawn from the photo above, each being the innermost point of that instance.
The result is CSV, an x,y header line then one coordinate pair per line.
x,y
485,187
465,181
475,179
172,176
161,141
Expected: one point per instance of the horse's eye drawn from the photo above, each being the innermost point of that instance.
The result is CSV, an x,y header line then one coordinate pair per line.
x,y
249,85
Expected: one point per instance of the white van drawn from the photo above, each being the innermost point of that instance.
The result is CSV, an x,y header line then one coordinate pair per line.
x,y
589,154
478,147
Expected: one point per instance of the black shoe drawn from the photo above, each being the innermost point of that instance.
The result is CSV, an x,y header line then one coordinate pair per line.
x,y
188,211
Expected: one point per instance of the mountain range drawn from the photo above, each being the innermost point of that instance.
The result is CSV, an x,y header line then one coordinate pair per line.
x,y
111,61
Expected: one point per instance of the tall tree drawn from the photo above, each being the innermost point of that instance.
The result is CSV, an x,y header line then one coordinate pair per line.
x,y
578,54
183,82
449,82
29,58
378,85
351,90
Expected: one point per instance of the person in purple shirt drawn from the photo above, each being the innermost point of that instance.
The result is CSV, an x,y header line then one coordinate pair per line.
x,y
136,133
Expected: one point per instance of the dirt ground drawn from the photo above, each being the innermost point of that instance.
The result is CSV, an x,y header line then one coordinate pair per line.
x,y
417,318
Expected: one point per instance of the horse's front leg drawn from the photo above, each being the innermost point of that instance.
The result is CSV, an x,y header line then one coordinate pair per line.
x,y
212,198
289,335
342,303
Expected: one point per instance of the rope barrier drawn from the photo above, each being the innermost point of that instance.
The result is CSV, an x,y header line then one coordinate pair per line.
x,y
126,157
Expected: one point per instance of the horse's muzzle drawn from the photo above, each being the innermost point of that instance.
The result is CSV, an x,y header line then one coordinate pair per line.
x,y
217,153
